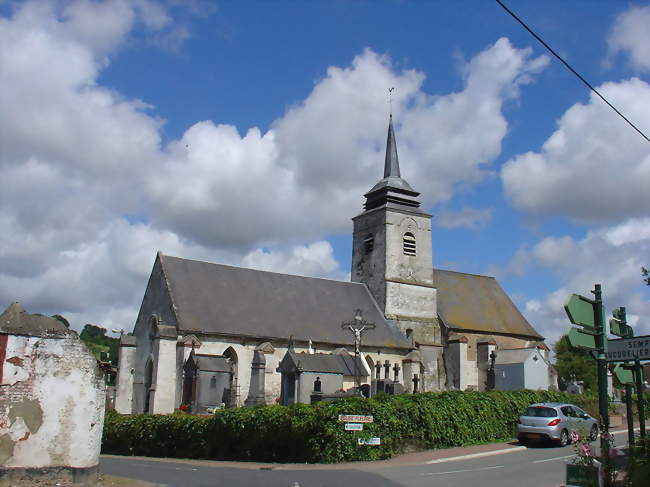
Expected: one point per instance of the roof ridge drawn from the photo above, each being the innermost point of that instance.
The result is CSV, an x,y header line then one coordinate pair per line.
x,y
160,255
265,271
466,273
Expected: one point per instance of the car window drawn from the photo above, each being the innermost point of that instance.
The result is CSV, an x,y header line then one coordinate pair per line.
x,y
540,412
579,412
567,411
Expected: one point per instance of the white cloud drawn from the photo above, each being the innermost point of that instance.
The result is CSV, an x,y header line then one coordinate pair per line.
x,y
472,218
316,259
596,258
87,193
631,35
595,167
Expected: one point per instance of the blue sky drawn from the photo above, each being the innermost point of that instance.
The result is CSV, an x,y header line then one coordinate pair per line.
x,y
247,133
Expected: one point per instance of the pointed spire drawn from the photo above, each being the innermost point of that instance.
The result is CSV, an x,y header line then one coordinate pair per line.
x,y
391,166
392,190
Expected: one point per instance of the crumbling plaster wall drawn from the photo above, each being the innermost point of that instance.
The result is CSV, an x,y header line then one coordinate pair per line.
x,y
51,403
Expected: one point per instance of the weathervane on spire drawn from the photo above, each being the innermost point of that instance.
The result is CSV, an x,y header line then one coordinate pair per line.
x,y
390,99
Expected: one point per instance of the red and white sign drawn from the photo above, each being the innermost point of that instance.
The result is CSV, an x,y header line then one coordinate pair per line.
x,y
354,418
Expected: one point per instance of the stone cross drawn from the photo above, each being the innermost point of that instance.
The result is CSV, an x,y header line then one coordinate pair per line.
x,y
386,370
396,369
357,327
317,385
416,381
378,370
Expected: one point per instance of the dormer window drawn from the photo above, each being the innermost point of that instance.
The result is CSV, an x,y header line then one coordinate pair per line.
x,y
368,244
409,244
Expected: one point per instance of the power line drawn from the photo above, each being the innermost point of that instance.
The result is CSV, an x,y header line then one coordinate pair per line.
x,y
571,69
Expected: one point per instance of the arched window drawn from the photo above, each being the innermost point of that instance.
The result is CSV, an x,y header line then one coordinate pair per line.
x,y
368,243
409,244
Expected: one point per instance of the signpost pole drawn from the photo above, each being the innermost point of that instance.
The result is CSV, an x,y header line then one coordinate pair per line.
x,y
638,372
630,414
602,377
618,326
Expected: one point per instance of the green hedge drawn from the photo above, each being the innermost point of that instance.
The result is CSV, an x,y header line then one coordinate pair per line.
x,y
312,433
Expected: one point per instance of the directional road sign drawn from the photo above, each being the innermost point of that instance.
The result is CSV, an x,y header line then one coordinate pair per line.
x,y
579,339
623,374
625,349
580,311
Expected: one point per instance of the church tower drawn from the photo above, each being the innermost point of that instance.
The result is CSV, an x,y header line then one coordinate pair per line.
x,y
391,254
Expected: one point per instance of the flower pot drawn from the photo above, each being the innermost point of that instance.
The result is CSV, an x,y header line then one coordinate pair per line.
x,y
581,476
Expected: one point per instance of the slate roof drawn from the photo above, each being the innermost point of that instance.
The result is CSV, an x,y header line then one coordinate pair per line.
x,y
211,363
321,363
469,302
234,301
16,321
513,356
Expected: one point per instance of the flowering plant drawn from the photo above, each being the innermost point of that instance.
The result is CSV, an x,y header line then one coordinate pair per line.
x,y
584,452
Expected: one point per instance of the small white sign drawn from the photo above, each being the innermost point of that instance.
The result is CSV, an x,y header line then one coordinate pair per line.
x,y
354,418
353,427
369,441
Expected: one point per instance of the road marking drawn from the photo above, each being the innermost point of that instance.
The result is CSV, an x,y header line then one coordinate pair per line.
x,y
463,471
553,459
477,455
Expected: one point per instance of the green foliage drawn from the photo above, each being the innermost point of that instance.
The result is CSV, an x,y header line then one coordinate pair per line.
x,y
312,433
95,338
638,464
62,320
575,363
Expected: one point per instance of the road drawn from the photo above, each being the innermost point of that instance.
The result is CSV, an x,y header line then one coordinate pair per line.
x,y
501,466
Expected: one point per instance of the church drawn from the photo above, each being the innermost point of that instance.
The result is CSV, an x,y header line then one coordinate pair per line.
x,y
206,332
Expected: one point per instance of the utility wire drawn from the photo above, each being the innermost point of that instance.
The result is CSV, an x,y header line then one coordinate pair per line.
x,y
570,68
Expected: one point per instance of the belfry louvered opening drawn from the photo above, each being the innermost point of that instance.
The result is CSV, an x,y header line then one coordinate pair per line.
x,y
368,243
409,244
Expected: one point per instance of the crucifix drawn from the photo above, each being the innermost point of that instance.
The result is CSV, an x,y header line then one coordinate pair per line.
x,y
357,327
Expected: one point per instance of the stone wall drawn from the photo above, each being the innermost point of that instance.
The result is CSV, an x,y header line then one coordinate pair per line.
x,y
52,396
241,349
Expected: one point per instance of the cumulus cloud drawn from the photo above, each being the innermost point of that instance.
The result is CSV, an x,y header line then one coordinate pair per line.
x,y
472,218
630,35
321,157
316,259
88,193
610,256
594,167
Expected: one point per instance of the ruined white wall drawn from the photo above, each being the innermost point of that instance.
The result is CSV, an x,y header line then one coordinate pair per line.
x,y
51,403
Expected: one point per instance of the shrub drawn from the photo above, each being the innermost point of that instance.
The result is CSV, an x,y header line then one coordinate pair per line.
x,y
312,433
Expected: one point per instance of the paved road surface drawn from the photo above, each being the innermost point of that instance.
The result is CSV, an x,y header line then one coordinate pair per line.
x,y
500,466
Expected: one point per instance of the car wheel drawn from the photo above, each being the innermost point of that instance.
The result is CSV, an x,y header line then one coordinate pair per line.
x,y
594,433
564,438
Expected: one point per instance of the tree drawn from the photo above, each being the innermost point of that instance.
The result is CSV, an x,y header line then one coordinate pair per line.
x,y
575,364
645,273
62,320
95,338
